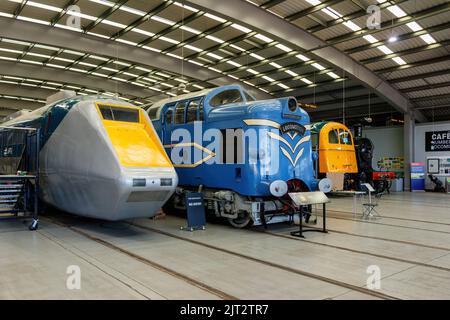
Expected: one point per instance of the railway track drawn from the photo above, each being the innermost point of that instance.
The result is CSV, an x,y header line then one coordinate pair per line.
x,y
219,293
386,216
215,291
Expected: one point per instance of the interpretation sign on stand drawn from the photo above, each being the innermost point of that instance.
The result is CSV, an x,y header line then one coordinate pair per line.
x,y
195,208
302,199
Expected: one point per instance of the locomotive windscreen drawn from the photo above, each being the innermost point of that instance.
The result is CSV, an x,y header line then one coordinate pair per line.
x,y
119,114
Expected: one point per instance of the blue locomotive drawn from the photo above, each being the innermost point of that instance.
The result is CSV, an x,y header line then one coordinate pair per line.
x,y
245,155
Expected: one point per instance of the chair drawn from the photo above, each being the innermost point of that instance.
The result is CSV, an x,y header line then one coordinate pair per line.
x,y
369,208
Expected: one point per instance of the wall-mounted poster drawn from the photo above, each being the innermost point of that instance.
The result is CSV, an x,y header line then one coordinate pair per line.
x,y
439,166
391,163
437,141
432,166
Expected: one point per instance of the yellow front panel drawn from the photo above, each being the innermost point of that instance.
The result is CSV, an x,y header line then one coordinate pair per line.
x,y
135,143
343,161
336,157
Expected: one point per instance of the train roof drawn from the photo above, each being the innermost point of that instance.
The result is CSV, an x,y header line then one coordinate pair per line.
x,y
35,114
210,91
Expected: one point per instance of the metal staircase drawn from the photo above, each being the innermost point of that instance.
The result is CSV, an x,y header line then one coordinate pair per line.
x,y
19,168
10,193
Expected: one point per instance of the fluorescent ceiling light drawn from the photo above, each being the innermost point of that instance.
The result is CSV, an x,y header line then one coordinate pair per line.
x,y
33,20
211,16
213,55
292,73
198,86
234,63
333,75
306,81
370,38
314,2
302,57
276,65
352,26
196,63
268,78
254,55
127,42
252,71
191,30
188,46
185,7
385,50
428,38
4,14
163,20
263,38
318,66
100,74
283,47
283,86
399,61
414,26
397,11
169,40
214,39
144,32
39,5
332,13
241,28
237,47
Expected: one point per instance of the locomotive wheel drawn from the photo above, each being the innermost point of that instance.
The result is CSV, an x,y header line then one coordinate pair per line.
x,y
243,220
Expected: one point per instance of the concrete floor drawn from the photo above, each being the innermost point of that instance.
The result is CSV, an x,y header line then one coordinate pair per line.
x,y
410,244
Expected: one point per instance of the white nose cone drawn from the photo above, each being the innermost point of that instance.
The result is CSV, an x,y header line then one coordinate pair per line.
x,y
325,185
278,188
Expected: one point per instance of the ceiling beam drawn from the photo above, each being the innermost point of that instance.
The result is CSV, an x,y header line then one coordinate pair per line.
x,y
402,37
33,32
351,16
414,64
389,24
70,77
285,32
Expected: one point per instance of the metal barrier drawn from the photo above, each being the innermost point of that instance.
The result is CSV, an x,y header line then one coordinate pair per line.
x,y
19,173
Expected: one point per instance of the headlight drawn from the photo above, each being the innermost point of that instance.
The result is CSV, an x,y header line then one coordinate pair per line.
x,y
292,104
278,188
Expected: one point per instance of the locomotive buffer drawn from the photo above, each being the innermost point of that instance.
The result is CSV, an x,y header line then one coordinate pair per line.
x,y
302,199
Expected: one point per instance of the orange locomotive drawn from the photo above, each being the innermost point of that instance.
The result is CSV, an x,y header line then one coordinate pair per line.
x,y
334,145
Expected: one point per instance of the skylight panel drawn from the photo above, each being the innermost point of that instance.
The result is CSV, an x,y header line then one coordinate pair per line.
x,y
385,50
414,26
397,11
399,61
352,26
428,38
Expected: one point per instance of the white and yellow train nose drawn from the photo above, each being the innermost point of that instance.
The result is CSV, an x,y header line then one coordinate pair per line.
x,y
111,163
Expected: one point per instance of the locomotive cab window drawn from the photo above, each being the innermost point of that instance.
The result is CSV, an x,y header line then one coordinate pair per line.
x,y
344,137
333,137
192,109
119,114
226,97
179,113
168,116
152,113
248,97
